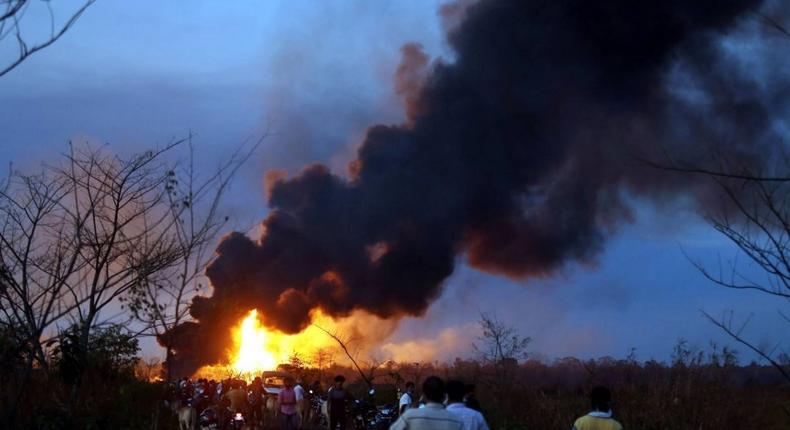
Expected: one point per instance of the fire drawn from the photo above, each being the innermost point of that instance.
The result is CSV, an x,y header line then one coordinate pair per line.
x,y
257,348
252,339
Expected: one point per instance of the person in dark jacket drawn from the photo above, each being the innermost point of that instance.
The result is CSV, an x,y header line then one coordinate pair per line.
x,y
337,399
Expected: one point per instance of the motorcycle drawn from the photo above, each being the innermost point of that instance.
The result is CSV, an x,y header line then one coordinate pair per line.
x,y
367,417
208,419
385,416
237,421
317,406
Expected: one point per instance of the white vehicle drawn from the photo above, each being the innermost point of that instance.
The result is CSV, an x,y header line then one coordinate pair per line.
x,y
274,382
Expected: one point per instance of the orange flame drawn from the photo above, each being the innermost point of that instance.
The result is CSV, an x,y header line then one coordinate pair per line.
x,y
251,338
257,349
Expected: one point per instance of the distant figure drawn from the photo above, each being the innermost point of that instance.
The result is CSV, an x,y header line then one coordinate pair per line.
x,y
336,401
433,416
601,416
407,399
470,400
301,402
255,401
472,419
286,405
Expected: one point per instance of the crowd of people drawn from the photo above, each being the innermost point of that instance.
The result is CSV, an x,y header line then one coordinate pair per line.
x,y
453,406
220,400
450,405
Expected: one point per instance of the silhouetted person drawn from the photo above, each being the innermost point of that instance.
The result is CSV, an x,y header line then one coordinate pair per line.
x,y
237,398
336,401
600,418
433,416
255,400
472,419
470,400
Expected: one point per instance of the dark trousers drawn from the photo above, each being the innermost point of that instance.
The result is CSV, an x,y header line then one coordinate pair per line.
x,y
337,420
288,421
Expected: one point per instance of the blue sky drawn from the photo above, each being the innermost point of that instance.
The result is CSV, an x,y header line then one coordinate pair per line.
x,y
315,75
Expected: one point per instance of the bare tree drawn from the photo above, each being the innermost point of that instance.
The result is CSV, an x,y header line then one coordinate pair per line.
x,y
161,301
74,239
323,358
755,217
501,347
119,214
148,369
33,272
12,14
500,343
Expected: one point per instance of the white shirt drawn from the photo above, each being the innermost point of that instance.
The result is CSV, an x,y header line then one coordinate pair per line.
x,y
299,391
472,419
405,400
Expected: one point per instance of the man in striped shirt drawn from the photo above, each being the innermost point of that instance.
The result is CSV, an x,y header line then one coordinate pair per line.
x,y
433,416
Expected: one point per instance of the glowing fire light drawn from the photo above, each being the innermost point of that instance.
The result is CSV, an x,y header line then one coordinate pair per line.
x,y
256,348
252,357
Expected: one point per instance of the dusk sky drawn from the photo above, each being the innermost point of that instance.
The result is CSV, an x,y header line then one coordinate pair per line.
x,y
315,75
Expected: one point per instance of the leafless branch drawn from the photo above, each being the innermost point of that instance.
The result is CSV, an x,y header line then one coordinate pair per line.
x,y
350,356
10,21
726,326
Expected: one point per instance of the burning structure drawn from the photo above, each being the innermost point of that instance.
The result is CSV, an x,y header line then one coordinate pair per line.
x,y
517,156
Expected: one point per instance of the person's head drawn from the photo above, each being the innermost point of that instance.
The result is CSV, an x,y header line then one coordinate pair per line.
x,y
601,399
410,387
433,389
339,380
455,391
288,381
299,381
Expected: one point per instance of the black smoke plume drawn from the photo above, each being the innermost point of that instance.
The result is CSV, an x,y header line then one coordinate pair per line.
x,y
517,156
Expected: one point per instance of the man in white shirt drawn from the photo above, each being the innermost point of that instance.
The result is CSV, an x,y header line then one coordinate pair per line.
x,y
472,419
433,416
301,407
407,399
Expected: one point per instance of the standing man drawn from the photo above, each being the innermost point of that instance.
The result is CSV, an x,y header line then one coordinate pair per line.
x,y
286,405
433,416
472,419
255,401
301,406
237,398
336,401
407,399
470,400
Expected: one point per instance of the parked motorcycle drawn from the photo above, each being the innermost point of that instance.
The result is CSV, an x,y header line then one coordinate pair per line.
x,y
237,421
208,419
366,416
385,416
317,406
